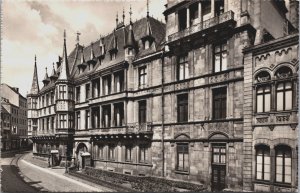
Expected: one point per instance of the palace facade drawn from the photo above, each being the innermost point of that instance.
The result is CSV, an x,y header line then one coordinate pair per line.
x,y
209,97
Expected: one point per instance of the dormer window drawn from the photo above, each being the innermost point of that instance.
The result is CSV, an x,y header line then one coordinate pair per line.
x,y
147,44
113,55
130,51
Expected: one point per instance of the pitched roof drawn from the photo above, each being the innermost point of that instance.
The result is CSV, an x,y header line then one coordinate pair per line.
x,y
119,38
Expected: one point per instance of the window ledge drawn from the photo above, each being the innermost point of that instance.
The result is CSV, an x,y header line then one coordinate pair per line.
x,y
181,172
268,182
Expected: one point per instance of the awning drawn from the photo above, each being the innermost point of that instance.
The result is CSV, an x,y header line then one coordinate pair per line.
x,y
54,151
85,154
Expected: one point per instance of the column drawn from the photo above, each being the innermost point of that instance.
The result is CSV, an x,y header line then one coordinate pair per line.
x,y
212,13
187,17
125,113
112,89
112,115
100,82
100,116
125,79
200,11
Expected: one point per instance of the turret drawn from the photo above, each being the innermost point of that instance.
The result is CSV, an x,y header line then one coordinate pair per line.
x,y
46,79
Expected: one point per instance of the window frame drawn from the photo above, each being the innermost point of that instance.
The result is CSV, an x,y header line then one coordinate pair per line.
x,y
263,94
286,150
183,105
142,105
265,152
129,157
219,53
222,97
284,91
142,76
185,147
185,66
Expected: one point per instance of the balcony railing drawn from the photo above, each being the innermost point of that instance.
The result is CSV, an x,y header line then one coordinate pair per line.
x,y
227,16
139,127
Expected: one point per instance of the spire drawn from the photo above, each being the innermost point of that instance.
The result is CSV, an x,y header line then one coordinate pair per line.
x,y
148,30
123,15
77,37
147,8
130,13
130,38
117,20
64,73
35,83
46,78
53,74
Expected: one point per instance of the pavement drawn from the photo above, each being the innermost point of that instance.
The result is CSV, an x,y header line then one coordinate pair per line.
x,y
56,179
34,178
12,179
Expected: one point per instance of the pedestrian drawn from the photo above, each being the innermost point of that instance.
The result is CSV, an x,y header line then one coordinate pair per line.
x,y
78,164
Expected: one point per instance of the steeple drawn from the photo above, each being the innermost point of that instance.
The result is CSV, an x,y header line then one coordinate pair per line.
x,y
53,74
64,73
46,78
117,20
123,15
147,8
77,37
35,83
130,38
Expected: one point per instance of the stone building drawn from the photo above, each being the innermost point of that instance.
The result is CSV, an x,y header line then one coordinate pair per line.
x,y
13,103
271,71
171,100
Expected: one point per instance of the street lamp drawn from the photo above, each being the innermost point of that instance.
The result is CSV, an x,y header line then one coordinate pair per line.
x,y
66,166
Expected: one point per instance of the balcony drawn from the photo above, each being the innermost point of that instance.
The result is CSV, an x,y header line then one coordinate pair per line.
x,y
213,22
131,128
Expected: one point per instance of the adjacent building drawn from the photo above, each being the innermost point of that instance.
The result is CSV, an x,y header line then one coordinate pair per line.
x,y
13,118
209,97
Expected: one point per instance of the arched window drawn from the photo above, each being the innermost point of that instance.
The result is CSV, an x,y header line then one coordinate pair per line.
x,y
283,72
284,95
263,162
283,163
263,99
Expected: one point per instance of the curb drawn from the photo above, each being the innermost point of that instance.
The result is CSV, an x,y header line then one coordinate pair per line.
x,y
28,180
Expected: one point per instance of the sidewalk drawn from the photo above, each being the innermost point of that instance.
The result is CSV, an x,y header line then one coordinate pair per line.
x,y
55,179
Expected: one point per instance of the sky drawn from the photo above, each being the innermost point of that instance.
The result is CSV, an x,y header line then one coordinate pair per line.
x,y
32,28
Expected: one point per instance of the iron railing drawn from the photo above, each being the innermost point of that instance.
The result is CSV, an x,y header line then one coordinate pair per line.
x,y
229,15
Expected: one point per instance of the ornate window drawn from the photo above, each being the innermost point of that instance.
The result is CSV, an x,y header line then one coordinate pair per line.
x,y
182,67
78,120
283,163
284,95
263,99
220,57
219,103
142,111
182,163
263,162
182,108
142,77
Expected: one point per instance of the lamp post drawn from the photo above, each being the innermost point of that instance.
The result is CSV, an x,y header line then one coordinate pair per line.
x,y
66,167
48,146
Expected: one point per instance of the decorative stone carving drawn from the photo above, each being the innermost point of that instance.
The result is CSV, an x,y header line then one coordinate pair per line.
x,y
219,78
283,118
262,119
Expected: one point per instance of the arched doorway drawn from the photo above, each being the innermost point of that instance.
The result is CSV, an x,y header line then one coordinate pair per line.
x,y
80,151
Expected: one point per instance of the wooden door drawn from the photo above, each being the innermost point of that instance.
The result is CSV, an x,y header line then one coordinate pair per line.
x,y
218,167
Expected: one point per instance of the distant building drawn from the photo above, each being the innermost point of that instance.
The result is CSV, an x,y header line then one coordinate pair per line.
x,y
14,117
177,100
